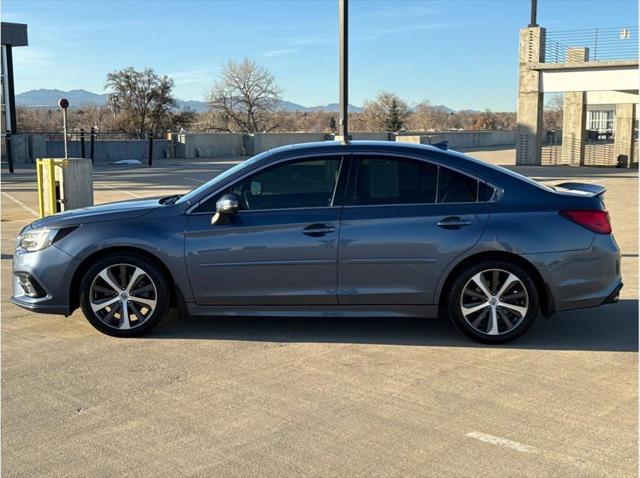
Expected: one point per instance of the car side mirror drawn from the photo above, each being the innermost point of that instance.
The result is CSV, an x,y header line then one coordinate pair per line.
x,y
228,205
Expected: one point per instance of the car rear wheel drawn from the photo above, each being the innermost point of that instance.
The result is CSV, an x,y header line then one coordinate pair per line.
x,y
493,301
124,295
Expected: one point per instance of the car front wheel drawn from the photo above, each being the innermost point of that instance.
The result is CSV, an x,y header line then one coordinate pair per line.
x,y
124,295
493,301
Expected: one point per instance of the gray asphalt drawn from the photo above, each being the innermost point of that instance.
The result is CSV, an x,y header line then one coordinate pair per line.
x,y
318,397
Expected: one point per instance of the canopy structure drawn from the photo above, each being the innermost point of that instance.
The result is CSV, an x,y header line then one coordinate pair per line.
x,y
12,35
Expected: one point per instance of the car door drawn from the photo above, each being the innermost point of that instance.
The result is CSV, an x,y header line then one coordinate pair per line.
x,y
280,248
403,222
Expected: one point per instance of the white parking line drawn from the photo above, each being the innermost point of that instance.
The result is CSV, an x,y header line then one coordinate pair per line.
x,y
494,440
195,180
121,190
20,203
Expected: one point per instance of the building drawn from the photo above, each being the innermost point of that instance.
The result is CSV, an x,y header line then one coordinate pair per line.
x,y
597,72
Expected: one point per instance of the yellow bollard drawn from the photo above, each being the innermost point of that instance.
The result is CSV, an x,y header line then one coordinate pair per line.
x,y
63,184
40,191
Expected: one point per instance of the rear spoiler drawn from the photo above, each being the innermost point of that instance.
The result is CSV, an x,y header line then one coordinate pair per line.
x,y
593,190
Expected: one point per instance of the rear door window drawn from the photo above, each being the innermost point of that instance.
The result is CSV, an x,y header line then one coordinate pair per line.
x,y
395,181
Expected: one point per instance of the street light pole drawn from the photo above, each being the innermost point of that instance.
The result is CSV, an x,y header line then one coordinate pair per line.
x,y
344,68
64,104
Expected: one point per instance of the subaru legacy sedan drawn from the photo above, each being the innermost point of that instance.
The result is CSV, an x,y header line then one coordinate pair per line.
x,y
331,229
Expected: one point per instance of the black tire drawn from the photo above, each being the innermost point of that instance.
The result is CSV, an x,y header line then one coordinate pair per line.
x,y
160,290
481,332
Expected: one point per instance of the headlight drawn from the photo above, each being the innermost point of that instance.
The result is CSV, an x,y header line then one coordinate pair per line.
x,y
35,240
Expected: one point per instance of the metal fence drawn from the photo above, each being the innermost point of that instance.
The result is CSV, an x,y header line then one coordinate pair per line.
x,y
603,43
77,135
597,152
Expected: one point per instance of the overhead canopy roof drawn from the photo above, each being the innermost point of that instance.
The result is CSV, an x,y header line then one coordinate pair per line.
x,y
14,34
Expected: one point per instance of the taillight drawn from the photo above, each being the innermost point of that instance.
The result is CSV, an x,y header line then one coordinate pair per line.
x,y
594,220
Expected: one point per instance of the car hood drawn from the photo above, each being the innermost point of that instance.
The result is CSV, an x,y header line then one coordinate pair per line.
x,y
103,212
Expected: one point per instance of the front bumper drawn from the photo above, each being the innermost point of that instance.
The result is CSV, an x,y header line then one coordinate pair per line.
x,y
52,270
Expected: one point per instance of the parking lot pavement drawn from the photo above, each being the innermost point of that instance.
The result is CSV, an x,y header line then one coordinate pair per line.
x,y
324,397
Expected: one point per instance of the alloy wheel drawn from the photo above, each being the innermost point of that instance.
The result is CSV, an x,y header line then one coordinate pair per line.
x,y
123,296
494,302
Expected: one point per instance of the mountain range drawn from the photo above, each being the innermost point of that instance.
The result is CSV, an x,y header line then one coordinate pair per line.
x,y
45,98
48,98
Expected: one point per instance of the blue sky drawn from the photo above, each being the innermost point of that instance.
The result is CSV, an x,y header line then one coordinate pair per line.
x,y
462,54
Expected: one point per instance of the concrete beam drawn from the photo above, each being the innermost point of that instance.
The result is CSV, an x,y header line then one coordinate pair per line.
x,y
612,97
590,79
624,125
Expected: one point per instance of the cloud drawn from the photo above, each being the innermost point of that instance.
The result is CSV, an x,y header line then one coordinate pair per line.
x,y
197,75
403,29
279,52
32,58
307,40
401,12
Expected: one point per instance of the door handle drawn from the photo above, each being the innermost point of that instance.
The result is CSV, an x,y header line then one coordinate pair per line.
x,y
318,230
453,222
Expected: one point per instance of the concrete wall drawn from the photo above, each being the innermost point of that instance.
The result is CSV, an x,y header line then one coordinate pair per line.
x,y
27,148
463,139
478,139
111,150
419,139
384,136
20,148
257,143
210,145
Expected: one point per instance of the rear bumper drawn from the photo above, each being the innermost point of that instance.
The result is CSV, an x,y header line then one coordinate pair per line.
x,y
614,296
582,278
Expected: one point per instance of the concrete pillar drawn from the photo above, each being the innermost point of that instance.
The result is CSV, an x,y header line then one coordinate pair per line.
x,y
574,115
624,140
530,98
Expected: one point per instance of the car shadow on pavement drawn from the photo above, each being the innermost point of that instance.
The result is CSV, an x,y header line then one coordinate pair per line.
x,y
608,328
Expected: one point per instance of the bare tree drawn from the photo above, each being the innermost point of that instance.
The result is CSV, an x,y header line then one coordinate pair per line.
x,y
388,111
552,114
141,100
247,95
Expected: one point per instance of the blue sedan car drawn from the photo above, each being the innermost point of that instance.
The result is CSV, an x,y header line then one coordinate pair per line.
x,y
331,229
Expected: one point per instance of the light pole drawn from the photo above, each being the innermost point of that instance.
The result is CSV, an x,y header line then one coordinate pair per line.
x,y
343,15
64,104
534,14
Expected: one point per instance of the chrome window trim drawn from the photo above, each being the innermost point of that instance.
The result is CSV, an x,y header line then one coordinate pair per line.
x,y
342,156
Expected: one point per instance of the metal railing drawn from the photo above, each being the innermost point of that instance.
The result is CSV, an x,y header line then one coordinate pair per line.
x,y
604,44
78,134
597,152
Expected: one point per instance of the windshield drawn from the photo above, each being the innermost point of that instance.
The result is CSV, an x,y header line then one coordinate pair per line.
x,y
220,178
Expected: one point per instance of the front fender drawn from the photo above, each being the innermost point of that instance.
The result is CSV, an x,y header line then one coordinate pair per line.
x,y
159,235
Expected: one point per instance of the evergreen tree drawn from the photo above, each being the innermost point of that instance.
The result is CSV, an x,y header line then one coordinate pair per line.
x,y
332,124
393,121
